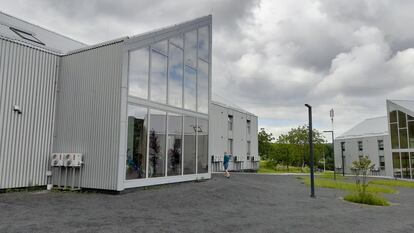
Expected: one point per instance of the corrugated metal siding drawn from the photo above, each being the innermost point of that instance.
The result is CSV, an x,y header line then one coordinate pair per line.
x,y
28,78
88,112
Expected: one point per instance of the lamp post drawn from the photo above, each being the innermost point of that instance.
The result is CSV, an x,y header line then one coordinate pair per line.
x,y
312,177
333,149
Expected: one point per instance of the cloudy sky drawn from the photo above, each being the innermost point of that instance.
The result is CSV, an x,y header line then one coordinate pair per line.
x,y
270,57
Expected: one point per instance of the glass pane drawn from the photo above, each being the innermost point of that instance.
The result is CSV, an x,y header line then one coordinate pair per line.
x,y
178,41
175,129
190,49
403,139
175,77
405,163
161,46
410,118
412,161
202,85
189,145
202,146
411,133
138,73
401,120
393,116
159,78
203,43
190,88
394,136
137,142
157,144
396,164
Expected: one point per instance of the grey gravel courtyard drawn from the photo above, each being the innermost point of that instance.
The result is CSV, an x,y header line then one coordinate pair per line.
x,y
243,203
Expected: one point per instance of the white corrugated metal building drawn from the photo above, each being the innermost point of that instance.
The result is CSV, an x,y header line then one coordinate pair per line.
x,y
368,138
235,132
136,107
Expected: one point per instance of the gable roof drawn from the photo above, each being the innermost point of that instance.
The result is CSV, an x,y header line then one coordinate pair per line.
x,y
50,40
370,127
221,101
406,106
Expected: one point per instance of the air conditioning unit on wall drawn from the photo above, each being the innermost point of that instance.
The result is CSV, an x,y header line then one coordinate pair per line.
x,y
56,160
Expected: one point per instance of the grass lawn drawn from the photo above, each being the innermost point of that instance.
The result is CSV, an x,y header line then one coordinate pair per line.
x,y
348,186
393,183
266,168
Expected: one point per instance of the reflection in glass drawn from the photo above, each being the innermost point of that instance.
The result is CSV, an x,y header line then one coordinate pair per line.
x,y
393,116
190,50
202,86
161,46
189,145
405,164
202,146
402,123
175,129
394,136
190,88
137,142
410,118
403,139
411,133
175,77
412,162
138,73
396,164
158,77
203,43
178,41
157,143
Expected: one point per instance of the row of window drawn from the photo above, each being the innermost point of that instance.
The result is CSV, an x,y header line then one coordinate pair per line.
x,y
402,130
173,71
165,144
230,140
361,147
230,124
230,147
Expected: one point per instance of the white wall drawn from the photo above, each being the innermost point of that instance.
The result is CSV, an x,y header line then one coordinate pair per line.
x,y
219,134
370,149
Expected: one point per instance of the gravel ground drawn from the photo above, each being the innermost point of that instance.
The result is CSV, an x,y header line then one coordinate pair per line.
x,y
243,203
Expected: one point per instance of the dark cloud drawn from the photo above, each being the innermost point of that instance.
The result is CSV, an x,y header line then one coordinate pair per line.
x,y
271,57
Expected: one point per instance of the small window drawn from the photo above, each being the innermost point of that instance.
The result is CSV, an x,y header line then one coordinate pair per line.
x,y
360,146
382,162
380,145
230,120
248,147
230,146
248,126
26,35
343,146
360,157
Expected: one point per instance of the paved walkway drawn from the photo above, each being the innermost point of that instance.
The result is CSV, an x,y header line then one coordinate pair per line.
x,y
243,203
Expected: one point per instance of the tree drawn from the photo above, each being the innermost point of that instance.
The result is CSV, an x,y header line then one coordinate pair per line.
x,y
265,139
298,138
361,168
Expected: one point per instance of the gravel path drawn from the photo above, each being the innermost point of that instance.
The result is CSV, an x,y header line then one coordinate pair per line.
x,y
243,203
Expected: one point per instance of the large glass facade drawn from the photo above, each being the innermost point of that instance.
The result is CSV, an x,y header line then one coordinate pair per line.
x,y
175,141
137,142
168,97
138,73
202,143
157,145
402,142
190,129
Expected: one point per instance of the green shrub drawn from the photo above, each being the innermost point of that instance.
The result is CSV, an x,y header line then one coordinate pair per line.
x,y
366,198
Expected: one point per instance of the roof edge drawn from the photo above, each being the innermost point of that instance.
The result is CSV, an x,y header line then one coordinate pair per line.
x,y
230,107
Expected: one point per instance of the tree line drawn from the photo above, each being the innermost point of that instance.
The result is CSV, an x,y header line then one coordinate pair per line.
x,y
292,148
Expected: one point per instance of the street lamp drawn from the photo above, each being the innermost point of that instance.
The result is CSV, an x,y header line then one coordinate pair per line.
x,y
333,149
312,177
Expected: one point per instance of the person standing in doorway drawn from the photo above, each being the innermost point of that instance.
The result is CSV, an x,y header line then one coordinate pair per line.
x,y
226,160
